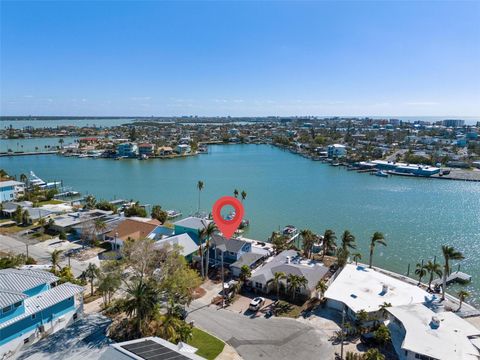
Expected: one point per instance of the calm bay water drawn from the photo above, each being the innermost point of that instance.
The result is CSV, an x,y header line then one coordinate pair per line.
x,y
417,216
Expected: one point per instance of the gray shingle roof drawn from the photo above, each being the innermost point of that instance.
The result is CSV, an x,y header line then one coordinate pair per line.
x,y
184,240
232,245
311,270
247,259
45,300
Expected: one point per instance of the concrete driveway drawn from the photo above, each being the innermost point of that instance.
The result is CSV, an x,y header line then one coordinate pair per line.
x,y
259,338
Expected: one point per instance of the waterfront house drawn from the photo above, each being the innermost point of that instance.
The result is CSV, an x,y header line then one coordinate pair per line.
x,y
289,262
419,333
150,348
33,306
127,149
10,189
165,150
146,149
80,221
250,259
133,229
192,226
360,288
182,149
9,208
232,249
336,151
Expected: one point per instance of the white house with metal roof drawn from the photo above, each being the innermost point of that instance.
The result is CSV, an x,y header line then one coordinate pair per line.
x,y
361,288
419,333
32,306
10,189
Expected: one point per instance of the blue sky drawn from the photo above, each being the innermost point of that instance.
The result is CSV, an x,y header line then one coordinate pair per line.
x,y
240,58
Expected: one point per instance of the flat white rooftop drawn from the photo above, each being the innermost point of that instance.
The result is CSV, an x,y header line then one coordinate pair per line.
x,y
447,342
361,288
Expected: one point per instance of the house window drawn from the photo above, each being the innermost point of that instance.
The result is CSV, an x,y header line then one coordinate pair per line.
x,y
34,316
258,285
75,316
25,341
7,309
18,304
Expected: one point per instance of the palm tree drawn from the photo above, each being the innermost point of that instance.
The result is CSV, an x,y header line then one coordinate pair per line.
x,y
210,229
348,241
276,281
55,260
202,234
23,178
421,271
91,273
462,295
235,193
328,242
61,141
373,354
245,273
377,238
141,302
200,187
308,238
100,226
433,268
383,309
321,288
356,257
295,282
243,195
449,253
26,219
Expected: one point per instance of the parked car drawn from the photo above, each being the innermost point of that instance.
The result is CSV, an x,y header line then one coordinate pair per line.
x,y
256,303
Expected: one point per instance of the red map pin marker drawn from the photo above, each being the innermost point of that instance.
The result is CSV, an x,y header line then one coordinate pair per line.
x,y
227,227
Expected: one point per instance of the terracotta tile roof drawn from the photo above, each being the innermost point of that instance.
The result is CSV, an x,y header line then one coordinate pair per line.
x,y
134,229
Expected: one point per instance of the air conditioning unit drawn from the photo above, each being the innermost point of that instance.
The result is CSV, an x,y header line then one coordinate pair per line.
x,y
61,318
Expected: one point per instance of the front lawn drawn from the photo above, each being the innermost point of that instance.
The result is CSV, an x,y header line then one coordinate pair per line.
x,y
208,346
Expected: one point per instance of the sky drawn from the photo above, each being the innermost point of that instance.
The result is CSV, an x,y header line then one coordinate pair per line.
x,y
81,58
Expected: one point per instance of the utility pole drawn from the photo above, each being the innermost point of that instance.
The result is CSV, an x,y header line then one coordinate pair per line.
x,y
343,330
26,245
223,285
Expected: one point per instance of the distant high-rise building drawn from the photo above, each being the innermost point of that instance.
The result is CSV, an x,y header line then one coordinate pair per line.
x,y
453,123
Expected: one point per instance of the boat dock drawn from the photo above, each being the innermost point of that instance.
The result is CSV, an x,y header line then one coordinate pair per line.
x,y
456,276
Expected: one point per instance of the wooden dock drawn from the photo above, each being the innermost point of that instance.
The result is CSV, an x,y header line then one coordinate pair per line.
x,y
456,276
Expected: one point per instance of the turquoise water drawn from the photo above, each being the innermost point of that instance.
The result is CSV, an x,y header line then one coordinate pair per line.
x,y
417,216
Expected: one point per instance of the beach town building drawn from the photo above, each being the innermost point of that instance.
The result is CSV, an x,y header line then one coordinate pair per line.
x,y
10,189
32,306
359,288
127,149
453,123
288,262
336,150
80,220
231,249
417,332
146,149
188,247
165,150
150,348
35,213
192,226
183,149
133,229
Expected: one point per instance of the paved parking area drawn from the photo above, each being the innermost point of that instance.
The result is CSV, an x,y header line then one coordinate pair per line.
x,y
242,303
